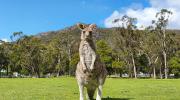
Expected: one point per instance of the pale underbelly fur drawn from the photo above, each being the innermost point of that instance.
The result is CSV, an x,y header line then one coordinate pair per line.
x,y
87,56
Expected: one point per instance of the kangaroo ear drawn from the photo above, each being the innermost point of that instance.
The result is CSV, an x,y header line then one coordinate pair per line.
x,y
81,26
92,26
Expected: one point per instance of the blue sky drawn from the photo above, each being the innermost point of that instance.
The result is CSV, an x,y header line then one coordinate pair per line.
x,y
35,16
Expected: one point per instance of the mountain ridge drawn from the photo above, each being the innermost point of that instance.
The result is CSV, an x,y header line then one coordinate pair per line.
x,y
74,31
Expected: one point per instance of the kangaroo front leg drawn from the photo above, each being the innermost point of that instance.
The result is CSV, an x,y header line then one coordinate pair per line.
x,y
81,91
83,64
93,61
99,93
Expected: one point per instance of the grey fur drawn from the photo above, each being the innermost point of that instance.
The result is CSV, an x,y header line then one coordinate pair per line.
x,y
90,72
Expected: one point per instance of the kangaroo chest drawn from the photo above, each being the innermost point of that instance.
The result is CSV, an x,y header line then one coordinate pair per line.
x,y
88,54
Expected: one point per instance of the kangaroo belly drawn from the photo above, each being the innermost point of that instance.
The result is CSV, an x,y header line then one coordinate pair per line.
x,y
87,55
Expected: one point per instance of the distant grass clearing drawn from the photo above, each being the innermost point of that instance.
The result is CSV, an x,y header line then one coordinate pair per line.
x,y
66,89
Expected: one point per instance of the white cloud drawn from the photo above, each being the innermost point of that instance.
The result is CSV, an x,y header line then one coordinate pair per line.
x,y
4,39
146,15
109,21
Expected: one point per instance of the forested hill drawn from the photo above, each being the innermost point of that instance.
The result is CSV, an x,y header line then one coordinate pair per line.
x,y
105,33
74,31
124,51
47,36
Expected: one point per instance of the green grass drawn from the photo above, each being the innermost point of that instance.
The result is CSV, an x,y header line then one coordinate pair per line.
x,y
65,88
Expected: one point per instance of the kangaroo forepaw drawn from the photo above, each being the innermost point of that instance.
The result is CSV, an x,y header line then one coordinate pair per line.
x,y
84,70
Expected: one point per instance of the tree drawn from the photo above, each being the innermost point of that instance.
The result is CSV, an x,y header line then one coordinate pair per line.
x,y
57,57
150,47
26,55
130,39
73,63
118,66
160,27
4,60
105,53
16,36
68,42
174,64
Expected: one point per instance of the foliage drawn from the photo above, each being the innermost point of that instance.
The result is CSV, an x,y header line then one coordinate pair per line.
x,y
174,64
105,52
74,62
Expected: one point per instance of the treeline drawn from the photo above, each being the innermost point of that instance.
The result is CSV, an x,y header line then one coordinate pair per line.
x,y
125,50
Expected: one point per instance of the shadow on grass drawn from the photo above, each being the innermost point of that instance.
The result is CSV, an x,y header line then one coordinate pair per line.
x,y
117,98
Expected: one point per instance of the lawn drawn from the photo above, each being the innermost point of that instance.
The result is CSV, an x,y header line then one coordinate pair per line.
x,y
65,88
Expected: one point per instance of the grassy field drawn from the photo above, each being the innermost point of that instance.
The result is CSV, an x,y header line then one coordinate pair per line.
x,y
67,89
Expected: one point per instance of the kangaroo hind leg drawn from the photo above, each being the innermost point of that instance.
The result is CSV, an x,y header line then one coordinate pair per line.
x,y
90,93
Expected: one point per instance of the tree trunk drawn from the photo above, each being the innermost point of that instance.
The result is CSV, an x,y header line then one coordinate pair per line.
x,y
120,74
38,74
149,65
69,58
32,71
129,73
150,73
115,73
164,54
160,72
0,72
154,72
154,68
7,72
134,67
69,53
165,65
57,75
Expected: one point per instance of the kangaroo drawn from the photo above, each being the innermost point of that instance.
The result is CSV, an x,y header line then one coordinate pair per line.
x,y
90,72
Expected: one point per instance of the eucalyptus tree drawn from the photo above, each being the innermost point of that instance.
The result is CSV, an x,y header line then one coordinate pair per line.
x,y
174,64
26,54
4,59
68,46
130,39
150,47
57,55
160,26
105,53
73,63
120,51
16,36
13,52
35,51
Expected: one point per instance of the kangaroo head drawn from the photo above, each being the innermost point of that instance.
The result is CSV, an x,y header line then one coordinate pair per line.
x,y
86,31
